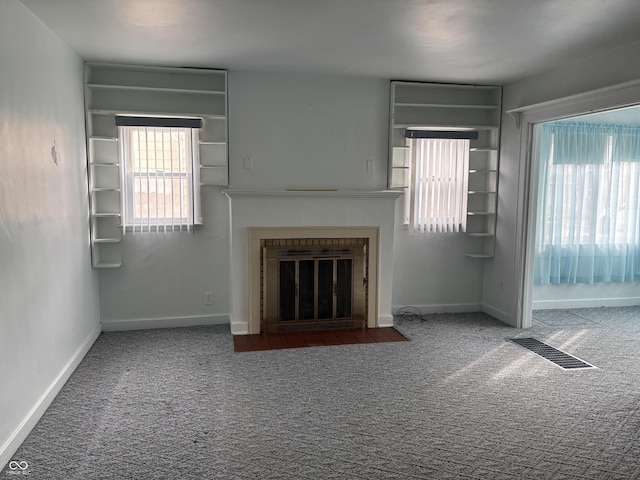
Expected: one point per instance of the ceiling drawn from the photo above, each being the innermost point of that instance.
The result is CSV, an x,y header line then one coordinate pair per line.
x,y
466,41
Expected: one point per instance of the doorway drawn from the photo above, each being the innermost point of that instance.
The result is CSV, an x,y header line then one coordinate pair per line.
x,y
600,106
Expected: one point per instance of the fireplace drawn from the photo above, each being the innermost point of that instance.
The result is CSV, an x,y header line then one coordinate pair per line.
x,y
258,216
313,278
313,283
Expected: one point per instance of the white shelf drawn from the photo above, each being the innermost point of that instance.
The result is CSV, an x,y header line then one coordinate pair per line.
x,y
115,89
103,139
447,105
154,89
106,215
107,265
103,111
452,126
441,106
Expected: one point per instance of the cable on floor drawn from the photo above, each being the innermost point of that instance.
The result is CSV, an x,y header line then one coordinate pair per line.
x,y
409,312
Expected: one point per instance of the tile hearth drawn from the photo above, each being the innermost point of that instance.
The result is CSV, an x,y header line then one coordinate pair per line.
x,y
273,341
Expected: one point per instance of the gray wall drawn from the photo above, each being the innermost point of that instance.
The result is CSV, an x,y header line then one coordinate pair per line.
x,y
48,291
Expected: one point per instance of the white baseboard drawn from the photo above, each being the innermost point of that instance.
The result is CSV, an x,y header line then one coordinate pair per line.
x,y
163,322
22,431
239,328
499,314
444,308
585,303
385,321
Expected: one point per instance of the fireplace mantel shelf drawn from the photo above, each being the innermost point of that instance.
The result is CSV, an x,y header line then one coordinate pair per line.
x,y
311,192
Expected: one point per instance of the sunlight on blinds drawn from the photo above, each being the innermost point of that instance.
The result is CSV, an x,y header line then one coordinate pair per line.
x,y
439,184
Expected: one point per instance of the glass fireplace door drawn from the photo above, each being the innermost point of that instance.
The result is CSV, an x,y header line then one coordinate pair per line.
x,y
315,289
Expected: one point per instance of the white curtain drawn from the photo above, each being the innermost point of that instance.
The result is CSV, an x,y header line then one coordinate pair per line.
x,y
588,224
439,184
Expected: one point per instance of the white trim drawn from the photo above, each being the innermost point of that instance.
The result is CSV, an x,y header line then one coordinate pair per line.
x,y
385,321
332,193
585,303
498,314
443,308
239,328
31,419
164,322
615,96
584,97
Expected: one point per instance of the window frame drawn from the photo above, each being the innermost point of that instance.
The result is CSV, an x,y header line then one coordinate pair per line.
x,y
129,221
433,225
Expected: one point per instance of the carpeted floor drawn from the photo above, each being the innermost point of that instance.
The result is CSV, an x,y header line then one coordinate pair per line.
x,y
459,401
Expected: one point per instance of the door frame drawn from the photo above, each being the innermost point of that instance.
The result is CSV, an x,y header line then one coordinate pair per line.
x,y
616,96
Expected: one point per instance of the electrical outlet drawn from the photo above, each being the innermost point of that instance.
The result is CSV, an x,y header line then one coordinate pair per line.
x,y
208,298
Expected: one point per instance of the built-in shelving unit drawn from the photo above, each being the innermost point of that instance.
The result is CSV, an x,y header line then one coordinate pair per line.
x,y
453,107
112,90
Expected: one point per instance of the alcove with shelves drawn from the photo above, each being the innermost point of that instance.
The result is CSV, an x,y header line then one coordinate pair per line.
x,y
114,89
437,106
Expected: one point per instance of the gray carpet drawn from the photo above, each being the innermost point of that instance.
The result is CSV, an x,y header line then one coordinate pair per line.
x,y
459,401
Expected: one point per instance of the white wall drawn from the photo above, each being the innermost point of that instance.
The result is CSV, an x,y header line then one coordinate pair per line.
x,y
599,71
308,131
164,277
301,131
432,273
48,291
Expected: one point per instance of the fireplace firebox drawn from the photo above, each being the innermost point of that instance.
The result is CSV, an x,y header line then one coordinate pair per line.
x,y
318,283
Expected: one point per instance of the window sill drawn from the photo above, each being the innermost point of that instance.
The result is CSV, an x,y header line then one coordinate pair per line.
x,y
160,228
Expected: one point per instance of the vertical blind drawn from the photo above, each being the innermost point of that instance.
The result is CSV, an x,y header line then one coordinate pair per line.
x,y
439,184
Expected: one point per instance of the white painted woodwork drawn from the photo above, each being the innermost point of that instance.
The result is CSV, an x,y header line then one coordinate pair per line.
x,y
112,89
449,107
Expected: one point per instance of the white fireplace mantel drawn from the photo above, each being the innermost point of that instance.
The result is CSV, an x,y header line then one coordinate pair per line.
x,y
252,209
312,193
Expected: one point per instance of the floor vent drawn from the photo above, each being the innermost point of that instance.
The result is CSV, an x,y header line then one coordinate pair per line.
x,y
558,357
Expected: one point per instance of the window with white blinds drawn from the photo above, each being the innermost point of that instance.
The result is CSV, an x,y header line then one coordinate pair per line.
x,y
159,171
437,200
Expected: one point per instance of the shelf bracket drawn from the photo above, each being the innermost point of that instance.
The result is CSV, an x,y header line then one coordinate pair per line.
x,y
517,118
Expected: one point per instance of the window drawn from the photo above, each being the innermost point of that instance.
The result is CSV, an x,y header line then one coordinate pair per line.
x,y
159,174
437,199
588,226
